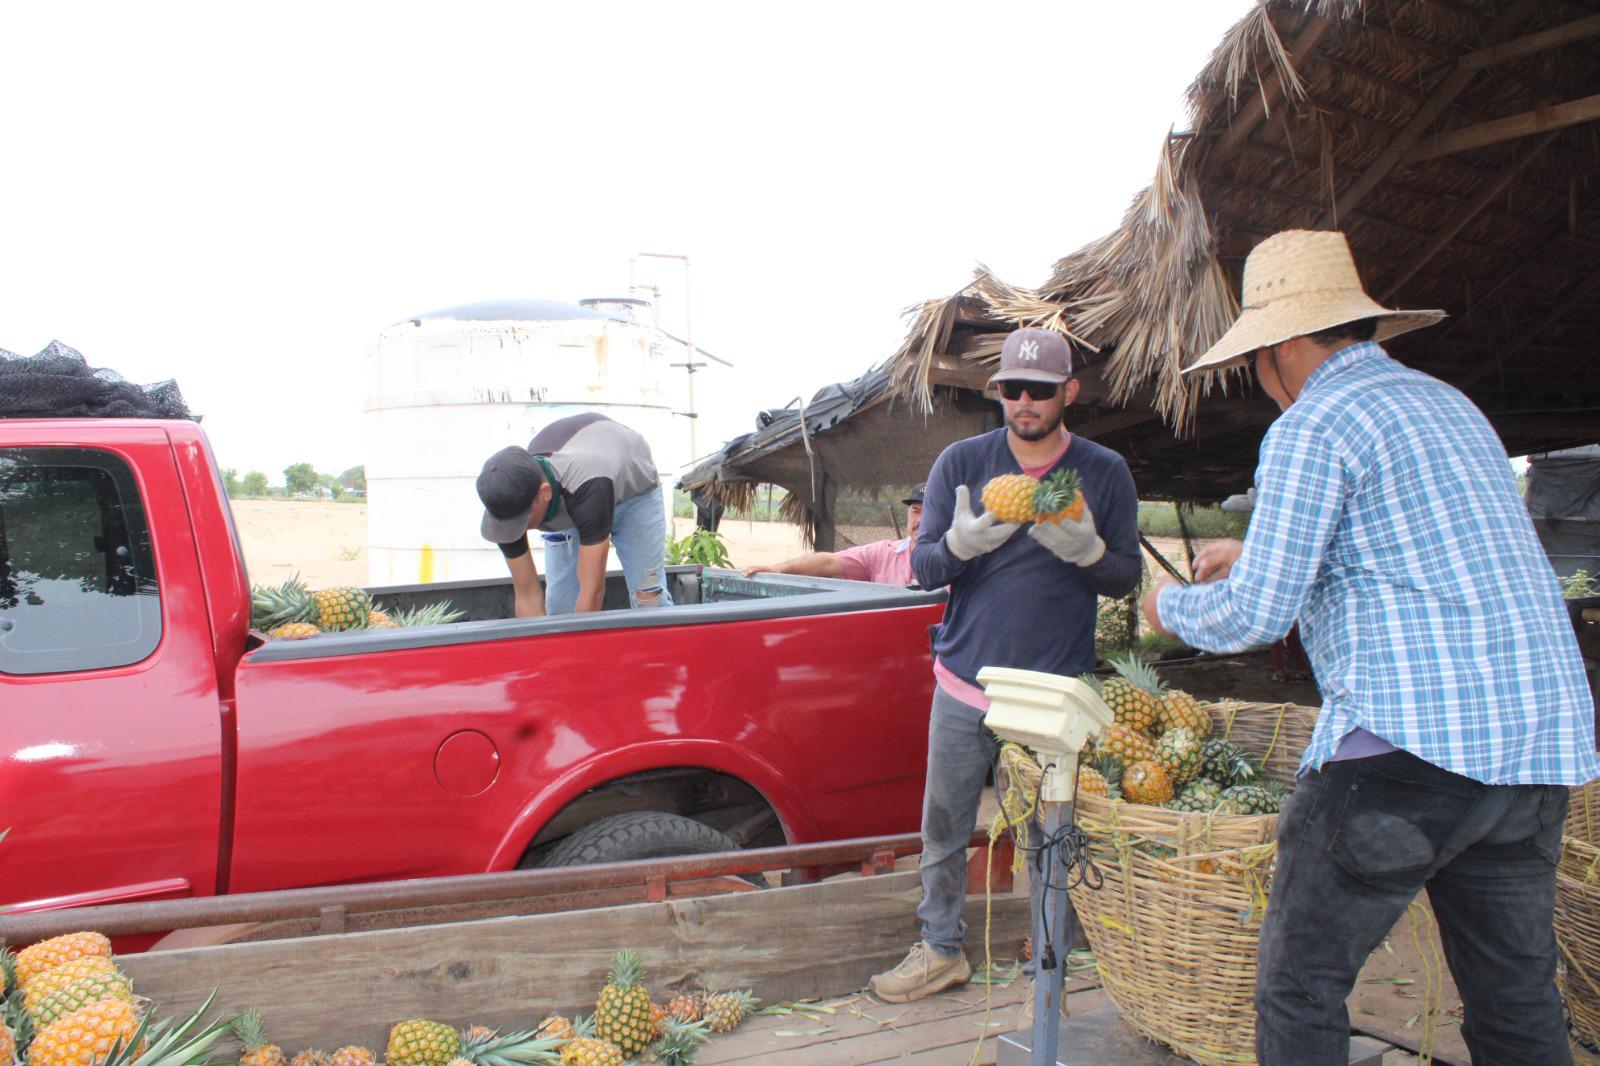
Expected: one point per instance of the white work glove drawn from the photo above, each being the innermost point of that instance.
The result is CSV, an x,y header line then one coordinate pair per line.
x,y
971,535
1074,543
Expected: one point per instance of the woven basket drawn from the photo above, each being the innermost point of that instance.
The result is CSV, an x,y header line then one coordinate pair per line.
x,y
1578,912
1174,926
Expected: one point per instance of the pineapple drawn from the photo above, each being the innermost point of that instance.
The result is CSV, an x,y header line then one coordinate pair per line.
x,y
8,1044
557,1026
1091,782
1180,753
289,602
1020,498
1178,710
48,954
381,620
1009,497
1126,744
344,607
622,1014
1200,795
86,1036
727,1009
1249,799
293,631
420,1042
310,1057
1101,775
351,1055
481,1046
41,985
1133,695
257,1051
687,1007
658,1014
79,994
1147,782
679,1040
591,1051
1227,764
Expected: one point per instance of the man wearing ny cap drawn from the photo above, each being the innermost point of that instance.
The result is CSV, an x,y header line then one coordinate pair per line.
x,y
887,562
1455,712
587,483
1024,600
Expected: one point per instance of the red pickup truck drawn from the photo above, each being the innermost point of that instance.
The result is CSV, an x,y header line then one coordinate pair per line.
x,y
154,747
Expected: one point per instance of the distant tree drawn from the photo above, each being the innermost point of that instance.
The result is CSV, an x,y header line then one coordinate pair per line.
x,y
230,481
354,478
331,483
254,484
299,478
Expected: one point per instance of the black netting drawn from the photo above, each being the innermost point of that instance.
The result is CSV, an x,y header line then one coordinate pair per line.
x,y
59,383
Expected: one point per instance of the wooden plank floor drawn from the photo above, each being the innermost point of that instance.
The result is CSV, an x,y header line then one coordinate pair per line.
x,y
942,1030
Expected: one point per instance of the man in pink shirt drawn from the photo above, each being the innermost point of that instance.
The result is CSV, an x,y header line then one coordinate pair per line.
x,y
887,562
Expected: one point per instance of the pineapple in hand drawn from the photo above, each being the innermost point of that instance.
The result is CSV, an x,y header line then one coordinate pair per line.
x,y
1019,498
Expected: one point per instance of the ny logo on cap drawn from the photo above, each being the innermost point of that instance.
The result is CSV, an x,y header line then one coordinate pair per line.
x,y
1028,352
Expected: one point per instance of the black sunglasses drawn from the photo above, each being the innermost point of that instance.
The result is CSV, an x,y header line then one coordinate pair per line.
x,y
1038,390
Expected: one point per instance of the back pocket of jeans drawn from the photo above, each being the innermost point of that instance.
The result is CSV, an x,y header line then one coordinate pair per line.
x,y
1379,847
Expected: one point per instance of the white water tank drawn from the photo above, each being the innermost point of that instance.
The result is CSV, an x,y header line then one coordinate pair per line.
x,y
449,388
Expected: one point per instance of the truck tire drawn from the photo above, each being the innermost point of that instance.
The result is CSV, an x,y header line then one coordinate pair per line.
x,y
638,835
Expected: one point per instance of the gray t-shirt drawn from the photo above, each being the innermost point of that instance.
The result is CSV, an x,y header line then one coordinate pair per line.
x,y
599,464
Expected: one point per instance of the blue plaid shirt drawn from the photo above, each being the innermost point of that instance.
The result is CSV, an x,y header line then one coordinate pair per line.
x,y
1387,521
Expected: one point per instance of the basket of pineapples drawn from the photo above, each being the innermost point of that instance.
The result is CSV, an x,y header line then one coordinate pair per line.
x,y
1179,801
1578,913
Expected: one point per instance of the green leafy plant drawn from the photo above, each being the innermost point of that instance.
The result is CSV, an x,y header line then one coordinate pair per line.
x,y
703,546
1579,586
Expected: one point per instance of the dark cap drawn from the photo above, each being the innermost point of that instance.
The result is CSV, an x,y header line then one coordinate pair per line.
x,y
508,486
916,494
1034,355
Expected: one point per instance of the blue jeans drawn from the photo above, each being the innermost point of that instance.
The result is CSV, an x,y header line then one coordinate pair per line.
x,y
961,750
1356,842
639,535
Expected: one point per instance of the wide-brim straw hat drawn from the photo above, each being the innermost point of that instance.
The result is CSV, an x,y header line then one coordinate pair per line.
x,y
1298,282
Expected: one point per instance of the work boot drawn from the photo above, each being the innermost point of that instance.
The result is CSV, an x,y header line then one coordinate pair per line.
x,y
922,973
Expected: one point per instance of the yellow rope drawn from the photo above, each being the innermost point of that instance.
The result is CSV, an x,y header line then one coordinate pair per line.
x,y
1433,978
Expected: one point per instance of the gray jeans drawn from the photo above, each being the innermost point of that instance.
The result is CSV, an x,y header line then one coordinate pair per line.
x,y
960,752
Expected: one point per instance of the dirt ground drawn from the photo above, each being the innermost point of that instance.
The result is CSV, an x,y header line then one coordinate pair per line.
x,y
326,542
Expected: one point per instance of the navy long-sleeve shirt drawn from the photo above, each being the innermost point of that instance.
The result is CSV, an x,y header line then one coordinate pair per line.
x,y
1019,605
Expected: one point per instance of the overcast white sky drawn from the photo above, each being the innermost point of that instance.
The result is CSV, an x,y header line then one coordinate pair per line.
x,y
241,197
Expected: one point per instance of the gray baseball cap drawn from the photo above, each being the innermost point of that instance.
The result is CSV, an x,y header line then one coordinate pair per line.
x,y
1034,355
508,487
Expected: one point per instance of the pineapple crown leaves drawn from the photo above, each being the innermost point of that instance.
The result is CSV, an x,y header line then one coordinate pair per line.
x,y
490,1047
1139,674
745,998
678,1042
626,969
249,1030
583,1025
1092,681
434,614
1056,491
185,1043
1110,768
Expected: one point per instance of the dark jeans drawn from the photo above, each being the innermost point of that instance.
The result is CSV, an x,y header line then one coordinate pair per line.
x,y
1356,842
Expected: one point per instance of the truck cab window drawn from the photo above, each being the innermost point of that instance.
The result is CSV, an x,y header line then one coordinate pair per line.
x,y
77,570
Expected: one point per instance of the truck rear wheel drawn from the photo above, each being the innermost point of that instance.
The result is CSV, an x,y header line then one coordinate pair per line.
x,y
638,835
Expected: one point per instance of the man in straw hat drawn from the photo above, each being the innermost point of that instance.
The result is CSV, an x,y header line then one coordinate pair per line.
x,y
1455,712
1025,601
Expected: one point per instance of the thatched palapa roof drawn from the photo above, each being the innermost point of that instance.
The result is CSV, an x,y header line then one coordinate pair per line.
x,y
1455,142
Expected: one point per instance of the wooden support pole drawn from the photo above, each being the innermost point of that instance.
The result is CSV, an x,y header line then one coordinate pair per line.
x,y
1532,44
1514,127
1426,114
